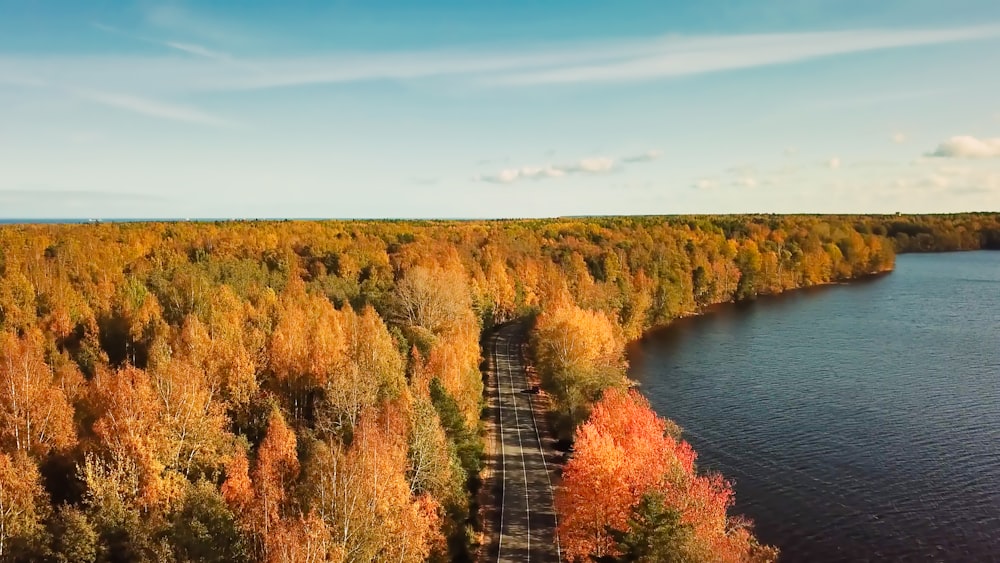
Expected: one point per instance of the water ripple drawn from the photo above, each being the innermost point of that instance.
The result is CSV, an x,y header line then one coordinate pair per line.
x,y
861,423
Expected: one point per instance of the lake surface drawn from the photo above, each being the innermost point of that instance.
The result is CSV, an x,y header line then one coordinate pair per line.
x,y
859,422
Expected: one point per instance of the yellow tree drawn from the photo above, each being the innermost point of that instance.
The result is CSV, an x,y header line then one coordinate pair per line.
x,y
35,415
371,370
129,424
433,297
579,353
364,496
23,501
192,421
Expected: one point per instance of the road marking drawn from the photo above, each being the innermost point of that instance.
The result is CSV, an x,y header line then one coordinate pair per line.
x,y
548,478
520,445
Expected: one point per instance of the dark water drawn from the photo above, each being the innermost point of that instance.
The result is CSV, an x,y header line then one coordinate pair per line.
x,y
859,422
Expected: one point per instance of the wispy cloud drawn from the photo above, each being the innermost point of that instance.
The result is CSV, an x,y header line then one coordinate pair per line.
x,y
684,56
834,163
898,138
153,108
524,65
967,146
197,50
180,46
705,184
175,18
591,165
647,156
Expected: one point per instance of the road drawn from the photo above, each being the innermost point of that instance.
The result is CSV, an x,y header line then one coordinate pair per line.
x,y
524,519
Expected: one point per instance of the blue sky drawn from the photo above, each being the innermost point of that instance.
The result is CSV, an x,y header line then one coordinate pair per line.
x,y
497,109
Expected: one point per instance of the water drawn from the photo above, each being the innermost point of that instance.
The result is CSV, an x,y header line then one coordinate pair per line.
x,y
859,422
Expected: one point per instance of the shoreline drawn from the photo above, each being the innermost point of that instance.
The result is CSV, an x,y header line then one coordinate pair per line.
x,y
714,308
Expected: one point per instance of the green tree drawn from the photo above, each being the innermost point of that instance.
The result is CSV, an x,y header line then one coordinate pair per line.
x,y
654,534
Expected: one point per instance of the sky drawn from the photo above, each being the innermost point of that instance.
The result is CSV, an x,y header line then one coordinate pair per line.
x,y
516,108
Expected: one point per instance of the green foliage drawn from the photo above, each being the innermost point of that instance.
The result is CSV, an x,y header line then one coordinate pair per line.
x,y
655,533
468,444
74,539
204,529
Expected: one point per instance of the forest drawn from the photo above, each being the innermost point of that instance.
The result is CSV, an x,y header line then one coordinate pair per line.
x,y
301,391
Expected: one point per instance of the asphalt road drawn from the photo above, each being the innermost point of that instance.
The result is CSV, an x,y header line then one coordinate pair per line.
x,y
522,478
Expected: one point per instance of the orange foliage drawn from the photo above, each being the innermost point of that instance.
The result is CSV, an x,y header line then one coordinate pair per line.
x,y
624,452
621,452
35,415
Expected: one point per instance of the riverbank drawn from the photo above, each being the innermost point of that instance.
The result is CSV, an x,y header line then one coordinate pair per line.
x,y
855,421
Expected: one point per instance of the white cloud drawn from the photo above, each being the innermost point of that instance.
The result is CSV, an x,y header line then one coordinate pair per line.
x,y
596,164
834,163
745,182
791,151
705,184
967,146
590,165
152,108
898,138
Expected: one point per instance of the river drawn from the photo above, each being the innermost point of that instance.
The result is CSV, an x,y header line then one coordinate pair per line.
x,y
859,422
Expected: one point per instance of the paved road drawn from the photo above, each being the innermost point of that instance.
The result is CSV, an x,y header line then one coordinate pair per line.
x,y
522,488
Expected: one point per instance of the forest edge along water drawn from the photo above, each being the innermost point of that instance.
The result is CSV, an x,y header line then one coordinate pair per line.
x,y
858,422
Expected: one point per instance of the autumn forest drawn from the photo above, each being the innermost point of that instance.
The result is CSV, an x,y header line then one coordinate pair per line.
x,y
312,391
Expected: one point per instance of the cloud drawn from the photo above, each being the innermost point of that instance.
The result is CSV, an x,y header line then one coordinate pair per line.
x,y
745,182
898,138
175,18
591,165
791,151
198,50
833,163
511,175
524,65
153,108
967,146
647,156
183,47
696,55
705,184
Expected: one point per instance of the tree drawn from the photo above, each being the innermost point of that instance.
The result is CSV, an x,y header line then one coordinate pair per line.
x,y
621,453
579,355
364,496
371,372
193,423
654,533
23,505
204,529
129,425
35,416
631,488
74,538
276,468
433,297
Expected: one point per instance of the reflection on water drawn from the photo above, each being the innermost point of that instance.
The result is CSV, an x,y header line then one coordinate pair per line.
x,y
859,422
